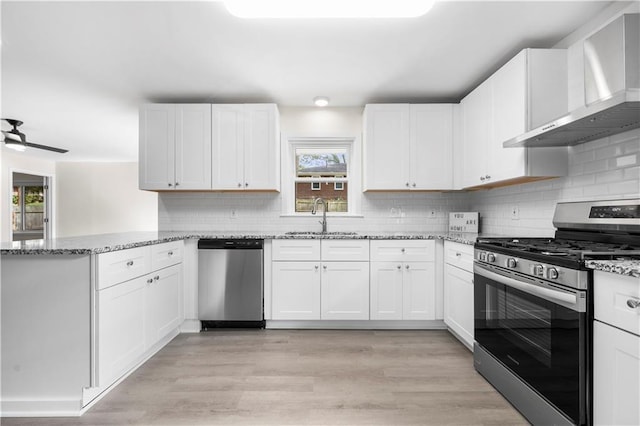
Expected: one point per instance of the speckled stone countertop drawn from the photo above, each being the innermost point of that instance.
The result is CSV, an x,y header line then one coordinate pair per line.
x,y
629,267
93,244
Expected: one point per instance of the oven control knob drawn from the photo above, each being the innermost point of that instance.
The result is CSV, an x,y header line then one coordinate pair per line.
x,y
491,257
511,263
538,270
552,273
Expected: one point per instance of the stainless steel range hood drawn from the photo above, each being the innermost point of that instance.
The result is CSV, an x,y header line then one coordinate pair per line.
x,y
612,91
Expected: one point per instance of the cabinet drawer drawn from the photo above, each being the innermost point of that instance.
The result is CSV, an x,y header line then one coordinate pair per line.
x,y
345,250
304,249
402,250
118,266
166,254
611,294
459,255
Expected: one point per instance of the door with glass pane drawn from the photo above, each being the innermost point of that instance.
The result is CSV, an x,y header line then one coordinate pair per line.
x,y
29,207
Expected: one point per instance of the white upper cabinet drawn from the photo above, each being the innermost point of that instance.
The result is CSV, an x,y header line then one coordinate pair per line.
x,y
526,92
175,147
245,140
408,147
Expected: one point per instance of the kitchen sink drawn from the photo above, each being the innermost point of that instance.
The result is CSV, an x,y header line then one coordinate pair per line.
x,y
311,233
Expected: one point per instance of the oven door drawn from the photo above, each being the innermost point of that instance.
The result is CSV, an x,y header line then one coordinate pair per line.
x,y
538,331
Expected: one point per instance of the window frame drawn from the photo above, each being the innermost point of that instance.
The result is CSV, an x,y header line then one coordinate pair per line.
x,y
288,170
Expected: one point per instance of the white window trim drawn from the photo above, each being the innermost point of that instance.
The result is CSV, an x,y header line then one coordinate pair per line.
x,y
287,174
313,186
338,184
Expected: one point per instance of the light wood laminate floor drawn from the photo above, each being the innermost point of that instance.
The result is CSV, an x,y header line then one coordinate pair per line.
x,y
302,377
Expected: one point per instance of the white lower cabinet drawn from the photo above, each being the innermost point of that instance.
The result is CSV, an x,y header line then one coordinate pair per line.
x,y
121,328
134,316
403,291
345,291
295,290
163,304
616,349
458,290
616,382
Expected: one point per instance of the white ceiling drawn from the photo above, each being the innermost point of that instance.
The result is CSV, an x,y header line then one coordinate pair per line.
x,y
75,72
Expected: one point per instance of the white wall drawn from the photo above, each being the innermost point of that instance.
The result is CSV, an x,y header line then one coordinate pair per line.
x,y
18,162
97,198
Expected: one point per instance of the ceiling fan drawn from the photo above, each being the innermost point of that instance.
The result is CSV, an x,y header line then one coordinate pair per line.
x,y
17,140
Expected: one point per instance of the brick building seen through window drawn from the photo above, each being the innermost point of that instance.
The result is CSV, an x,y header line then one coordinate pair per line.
x,y
321,173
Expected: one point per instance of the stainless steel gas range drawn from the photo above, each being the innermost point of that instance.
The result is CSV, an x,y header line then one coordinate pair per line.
x,y
534,309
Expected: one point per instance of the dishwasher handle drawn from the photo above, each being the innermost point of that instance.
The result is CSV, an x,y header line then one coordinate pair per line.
x,y
230,244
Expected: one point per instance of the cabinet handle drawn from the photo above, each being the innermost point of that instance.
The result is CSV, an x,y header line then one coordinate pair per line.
x,y
324,267
458,254
413,184
239,185
150,280
633,304
130,263
246,184
482,178
406,267
402,250
407,184
170,253
170,185
316,267
399,267
177,183
157,277
488,177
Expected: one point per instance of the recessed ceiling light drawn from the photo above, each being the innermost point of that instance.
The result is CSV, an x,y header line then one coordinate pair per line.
x,y
328,8
321,101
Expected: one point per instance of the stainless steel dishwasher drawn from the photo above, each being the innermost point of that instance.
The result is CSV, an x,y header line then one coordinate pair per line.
x,y
230,283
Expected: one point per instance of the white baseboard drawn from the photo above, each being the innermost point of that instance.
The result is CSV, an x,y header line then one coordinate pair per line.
x,y
357,325
191,326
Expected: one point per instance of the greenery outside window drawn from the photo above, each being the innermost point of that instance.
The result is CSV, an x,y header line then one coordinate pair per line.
x,y
27,213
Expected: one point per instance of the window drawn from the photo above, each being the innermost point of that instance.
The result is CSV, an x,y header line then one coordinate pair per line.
x,y
27,211
323,167
320,168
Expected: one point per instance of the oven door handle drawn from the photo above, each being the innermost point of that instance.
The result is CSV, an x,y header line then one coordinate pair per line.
x,y
565,298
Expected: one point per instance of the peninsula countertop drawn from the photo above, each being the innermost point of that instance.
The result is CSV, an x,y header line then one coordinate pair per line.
x,y
102,243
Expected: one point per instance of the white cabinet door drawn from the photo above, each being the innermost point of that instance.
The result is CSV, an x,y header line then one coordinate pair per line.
x,y
616,383
157,146
227,122
476,129
164,304
295,290
509,102
261,147
193,147
345,290
419,291
458,302
386,147
121,328
386,291
431,146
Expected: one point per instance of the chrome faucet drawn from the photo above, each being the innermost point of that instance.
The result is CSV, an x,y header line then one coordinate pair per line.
x,y
324,212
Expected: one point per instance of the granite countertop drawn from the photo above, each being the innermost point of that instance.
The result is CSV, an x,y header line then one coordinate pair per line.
x,y
94,244
629,267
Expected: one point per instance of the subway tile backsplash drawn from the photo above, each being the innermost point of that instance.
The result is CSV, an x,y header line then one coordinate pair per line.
x,y
603,169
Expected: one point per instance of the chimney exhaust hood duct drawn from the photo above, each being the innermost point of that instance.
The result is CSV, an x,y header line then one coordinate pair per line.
x,y
612,91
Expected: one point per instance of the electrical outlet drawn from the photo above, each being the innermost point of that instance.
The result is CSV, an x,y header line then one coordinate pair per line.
x,y
233,214
515,212
432,214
